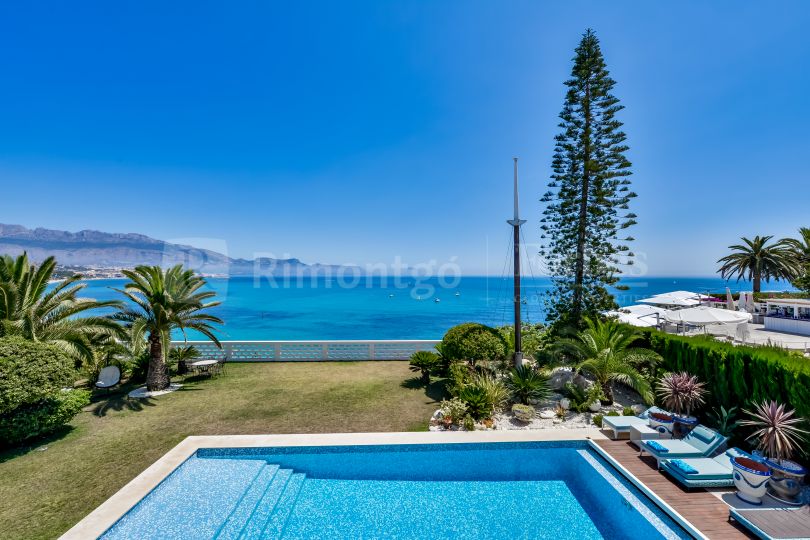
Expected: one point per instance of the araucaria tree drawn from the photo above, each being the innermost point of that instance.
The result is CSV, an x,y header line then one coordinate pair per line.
x,y
587,205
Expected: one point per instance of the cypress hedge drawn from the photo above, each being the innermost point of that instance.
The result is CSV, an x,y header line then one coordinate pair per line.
x,y
734,375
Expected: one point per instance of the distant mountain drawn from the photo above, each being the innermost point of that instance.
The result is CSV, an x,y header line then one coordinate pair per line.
x,y
115,250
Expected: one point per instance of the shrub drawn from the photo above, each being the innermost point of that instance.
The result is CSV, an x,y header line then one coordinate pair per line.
x,y
32,399
469,423
426,363
472,342
454,409
460,375
527,384
628,411
496,391
524,413
30,372
597,420
477,402
31,421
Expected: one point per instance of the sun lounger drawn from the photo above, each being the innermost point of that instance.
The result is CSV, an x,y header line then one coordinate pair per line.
x,y
773,523
622,424
700,442
705,471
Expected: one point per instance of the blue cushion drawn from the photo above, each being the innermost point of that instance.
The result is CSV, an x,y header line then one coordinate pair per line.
x,y
703,434
658,447
683,466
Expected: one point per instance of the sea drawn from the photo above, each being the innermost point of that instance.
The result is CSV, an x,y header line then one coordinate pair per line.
x,y
392,308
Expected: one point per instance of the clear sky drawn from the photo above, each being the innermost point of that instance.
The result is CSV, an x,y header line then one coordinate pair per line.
x,y
357,132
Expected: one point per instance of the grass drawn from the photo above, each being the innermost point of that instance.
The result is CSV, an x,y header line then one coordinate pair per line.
x,y
48,487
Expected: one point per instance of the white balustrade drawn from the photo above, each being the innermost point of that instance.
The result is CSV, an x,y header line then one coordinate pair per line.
x,y
310,351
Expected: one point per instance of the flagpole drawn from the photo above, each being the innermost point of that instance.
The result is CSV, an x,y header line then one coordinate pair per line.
x,y
516,222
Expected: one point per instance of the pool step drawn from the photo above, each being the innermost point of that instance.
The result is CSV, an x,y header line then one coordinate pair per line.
x,y
275,526
266,505
232,527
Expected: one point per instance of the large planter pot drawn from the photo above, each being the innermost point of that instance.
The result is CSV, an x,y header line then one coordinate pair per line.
x,y
786,480
596,406
683,425
662,423
751,479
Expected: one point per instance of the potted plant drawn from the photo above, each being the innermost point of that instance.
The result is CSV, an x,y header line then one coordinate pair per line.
x,y
751,479
662,423
778,437
681,393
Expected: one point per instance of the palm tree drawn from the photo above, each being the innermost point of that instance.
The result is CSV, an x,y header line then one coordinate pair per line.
x,y
165,300
756,260
32,310
604,352
799,249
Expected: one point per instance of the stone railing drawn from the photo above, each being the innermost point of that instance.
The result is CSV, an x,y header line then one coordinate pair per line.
x,y
310,351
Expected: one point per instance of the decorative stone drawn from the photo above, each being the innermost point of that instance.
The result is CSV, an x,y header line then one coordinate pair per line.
x,y
547,414
595,406
638,408
565,403
143,393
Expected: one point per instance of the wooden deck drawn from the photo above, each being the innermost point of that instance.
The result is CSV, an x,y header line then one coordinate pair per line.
x,y
780,523
699,507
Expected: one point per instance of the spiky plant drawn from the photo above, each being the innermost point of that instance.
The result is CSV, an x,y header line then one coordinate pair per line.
x,y
681,392
526,383
778,434
425,362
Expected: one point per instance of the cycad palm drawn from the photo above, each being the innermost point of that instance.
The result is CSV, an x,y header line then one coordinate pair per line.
x,y
756,260
605,352
29,309
165,300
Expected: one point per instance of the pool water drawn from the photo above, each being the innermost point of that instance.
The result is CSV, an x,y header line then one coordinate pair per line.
x,y
488,490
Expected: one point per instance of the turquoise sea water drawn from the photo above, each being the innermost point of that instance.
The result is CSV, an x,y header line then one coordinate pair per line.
x,y
380,308
555,490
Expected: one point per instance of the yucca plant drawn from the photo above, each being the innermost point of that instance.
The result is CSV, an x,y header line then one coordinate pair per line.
x,y
496,391
478,404
777,432
681,392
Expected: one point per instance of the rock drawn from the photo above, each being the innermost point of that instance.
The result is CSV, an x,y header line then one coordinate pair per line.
x,y
560,377
595,406
438,415
547,414
638,408
565,403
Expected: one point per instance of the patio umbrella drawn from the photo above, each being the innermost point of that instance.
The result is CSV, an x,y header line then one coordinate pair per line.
x,y
704,315
729,299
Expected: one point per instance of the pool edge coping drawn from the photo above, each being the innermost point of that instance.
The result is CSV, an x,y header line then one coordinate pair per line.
x,y
650,494
116,506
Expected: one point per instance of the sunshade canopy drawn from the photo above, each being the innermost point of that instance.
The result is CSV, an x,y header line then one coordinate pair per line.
x,y
704,315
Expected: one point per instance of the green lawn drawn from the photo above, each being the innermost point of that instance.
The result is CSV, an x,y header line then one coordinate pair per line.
x,y
47,488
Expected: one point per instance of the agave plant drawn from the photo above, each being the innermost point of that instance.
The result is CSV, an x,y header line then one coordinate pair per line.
x,y
681,392
777,434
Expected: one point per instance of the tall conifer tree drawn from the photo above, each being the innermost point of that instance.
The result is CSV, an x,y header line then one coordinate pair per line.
x,y
587,205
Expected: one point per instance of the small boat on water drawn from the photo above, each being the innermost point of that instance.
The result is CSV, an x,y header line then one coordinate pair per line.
x,y
458,294
437,300
391,295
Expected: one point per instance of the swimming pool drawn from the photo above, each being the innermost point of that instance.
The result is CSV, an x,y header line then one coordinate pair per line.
x,y
471,490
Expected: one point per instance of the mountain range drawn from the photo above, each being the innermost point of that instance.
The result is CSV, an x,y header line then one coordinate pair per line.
x,y
115,250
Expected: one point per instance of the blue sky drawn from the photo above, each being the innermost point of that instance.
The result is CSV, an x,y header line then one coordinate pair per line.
x,y
358,132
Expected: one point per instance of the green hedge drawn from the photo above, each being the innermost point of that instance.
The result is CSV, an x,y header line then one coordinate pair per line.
x,y
36,394
737,376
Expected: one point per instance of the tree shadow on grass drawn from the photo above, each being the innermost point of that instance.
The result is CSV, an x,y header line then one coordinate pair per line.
x,y
436,390
121,403
35,444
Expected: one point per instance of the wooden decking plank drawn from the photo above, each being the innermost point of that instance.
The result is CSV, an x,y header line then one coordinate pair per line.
x,y
703,510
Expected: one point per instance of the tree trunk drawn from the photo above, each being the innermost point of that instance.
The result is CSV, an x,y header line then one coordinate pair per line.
x,y
607,388
757,282
158,376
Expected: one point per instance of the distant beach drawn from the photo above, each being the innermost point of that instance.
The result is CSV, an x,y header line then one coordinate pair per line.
x,y
378,308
